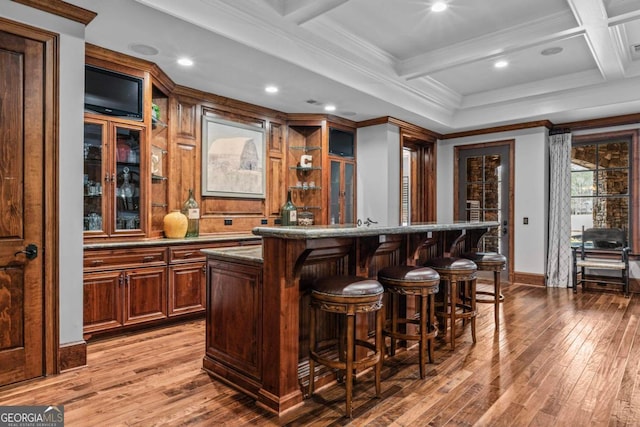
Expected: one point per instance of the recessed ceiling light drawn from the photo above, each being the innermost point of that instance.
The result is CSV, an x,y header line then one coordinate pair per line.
x,y
185,62
551,51
329,107
271,89
438,6
501,64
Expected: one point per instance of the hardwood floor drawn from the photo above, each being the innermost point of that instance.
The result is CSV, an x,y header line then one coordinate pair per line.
x,y
557,359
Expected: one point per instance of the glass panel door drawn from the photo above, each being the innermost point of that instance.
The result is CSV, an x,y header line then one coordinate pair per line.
x,y
94,172
334,193
484,193
349,196
127,193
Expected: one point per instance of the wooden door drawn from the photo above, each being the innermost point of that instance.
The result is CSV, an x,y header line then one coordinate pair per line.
x,y
22,132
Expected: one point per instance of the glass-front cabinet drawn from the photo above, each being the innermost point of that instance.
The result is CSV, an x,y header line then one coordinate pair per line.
x,y
342,192
113,178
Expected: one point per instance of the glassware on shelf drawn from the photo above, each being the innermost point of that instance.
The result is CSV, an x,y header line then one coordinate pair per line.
x,y
127,191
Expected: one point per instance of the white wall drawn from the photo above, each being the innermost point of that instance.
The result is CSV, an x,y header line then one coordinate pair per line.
x,y
378,170
531,192
71,109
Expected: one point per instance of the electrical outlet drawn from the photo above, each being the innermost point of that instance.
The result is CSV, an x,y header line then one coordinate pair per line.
x,y
228,222
264,221
277,221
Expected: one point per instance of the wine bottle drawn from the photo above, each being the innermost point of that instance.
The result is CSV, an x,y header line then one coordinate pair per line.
x,y
192,212
289,212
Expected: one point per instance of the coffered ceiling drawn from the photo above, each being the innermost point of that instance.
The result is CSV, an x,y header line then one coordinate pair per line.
x,y
567,59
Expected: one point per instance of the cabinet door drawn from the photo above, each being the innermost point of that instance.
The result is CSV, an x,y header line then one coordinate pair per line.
x,y
115,179
187,288
342,192
128,179
96,176
102,301
145,294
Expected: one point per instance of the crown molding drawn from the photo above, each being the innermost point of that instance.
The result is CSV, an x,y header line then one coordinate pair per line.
x,y
61,8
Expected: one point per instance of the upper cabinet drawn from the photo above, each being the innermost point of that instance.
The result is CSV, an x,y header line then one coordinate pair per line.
x,y
114,183
321,159
342,175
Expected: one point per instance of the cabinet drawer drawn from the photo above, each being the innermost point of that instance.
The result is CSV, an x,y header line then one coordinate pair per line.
x,y
124,258
189,253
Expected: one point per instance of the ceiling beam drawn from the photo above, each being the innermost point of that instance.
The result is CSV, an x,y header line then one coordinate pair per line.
x,y
592,17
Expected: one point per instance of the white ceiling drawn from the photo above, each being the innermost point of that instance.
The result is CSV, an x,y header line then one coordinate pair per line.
x,y
374,58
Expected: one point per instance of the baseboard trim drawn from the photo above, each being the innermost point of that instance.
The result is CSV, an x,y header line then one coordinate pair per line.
x,y
72,356
529,278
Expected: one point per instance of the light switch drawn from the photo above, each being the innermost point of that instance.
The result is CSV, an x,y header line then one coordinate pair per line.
x,y
525,220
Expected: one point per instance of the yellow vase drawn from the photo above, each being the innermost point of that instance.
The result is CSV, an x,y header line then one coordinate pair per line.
x,y
175,225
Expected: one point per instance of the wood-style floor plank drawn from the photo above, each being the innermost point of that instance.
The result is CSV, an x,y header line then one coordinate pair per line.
x,y
557,358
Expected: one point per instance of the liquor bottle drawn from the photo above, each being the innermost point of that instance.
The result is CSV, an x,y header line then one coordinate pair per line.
x,y
289,212
192,212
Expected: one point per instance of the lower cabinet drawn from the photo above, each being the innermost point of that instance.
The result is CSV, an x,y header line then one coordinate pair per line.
x,y
187,288
115,299
234,298
129,287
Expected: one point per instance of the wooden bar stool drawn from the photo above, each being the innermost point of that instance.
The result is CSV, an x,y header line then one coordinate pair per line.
x,y
403,281
348,295
490,261
458,280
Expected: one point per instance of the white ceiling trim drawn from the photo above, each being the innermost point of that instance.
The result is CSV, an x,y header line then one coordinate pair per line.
x,y
555,28
592,15
299,11
552,85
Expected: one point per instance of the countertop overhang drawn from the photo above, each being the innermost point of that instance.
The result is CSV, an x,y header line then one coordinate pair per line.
x,y
328,231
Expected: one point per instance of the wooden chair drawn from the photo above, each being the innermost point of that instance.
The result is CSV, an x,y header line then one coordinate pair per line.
x,y
404,281
601,249
348,296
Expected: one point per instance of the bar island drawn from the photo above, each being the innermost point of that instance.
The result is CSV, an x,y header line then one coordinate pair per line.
x,y
257,296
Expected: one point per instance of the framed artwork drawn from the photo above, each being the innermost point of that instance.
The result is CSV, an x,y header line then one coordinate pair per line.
x,y
233,159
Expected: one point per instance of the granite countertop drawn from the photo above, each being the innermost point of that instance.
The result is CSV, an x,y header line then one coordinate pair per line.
x,y
323,231
245,253
203,239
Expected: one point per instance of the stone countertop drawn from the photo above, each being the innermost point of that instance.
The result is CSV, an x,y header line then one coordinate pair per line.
x,y
327,231
202,240
238,253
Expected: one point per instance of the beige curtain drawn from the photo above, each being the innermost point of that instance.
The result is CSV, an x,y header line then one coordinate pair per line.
x,y
559,252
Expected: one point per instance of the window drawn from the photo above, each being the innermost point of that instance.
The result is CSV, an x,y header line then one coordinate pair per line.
x,y
601,186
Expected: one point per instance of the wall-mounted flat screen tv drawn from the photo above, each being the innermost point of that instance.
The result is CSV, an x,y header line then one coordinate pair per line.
x,y
111,93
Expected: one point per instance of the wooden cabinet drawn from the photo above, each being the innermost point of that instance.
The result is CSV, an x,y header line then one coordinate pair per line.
x,y
342,174
124,287
115,299
234,298
321,156
114,178
159,164
187,281
130,285
305,159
